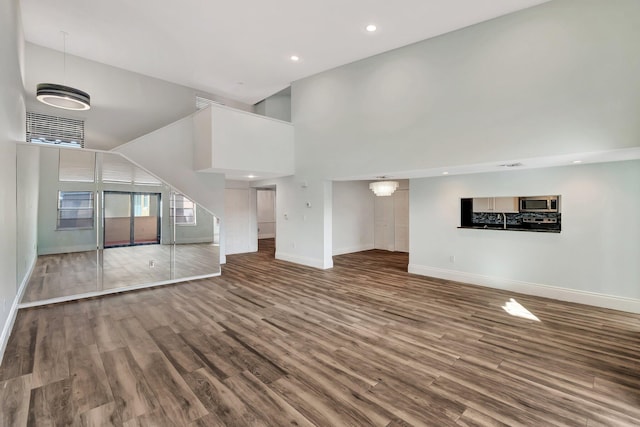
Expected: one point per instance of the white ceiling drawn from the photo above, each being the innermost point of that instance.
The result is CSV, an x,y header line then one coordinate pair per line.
x,y
240,49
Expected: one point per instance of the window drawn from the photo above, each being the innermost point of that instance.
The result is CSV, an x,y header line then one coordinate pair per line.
x,y
46,129
75,210
183,210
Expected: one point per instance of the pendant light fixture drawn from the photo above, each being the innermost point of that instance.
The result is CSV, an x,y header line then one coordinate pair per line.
x,y
61,96
383,188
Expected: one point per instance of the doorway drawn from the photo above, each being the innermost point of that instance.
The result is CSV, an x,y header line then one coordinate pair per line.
x,y
131,219
266,219
391,220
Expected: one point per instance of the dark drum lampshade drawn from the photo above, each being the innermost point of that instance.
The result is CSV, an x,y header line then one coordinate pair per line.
x,y
63,97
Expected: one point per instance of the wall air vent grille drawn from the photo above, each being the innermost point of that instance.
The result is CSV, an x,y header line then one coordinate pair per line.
x,y
46,129
205,102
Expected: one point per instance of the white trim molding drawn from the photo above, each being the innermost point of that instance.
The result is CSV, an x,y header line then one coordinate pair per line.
x,y
309,262
13,312
66,249
114,291
630,305
352,249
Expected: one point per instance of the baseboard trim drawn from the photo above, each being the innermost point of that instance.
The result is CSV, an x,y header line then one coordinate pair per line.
x,y
66,249
630,305
113,291
194,240
309,262
352,249
13,312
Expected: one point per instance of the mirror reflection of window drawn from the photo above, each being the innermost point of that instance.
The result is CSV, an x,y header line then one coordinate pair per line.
x,y
75,210
183,210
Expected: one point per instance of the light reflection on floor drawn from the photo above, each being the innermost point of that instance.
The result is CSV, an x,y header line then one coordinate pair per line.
x,y
514,308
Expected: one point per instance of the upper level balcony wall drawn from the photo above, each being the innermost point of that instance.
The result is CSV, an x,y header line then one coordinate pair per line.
x,y
240,144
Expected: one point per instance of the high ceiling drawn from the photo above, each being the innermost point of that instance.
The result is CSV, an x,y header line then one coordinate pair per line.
x,y
241,49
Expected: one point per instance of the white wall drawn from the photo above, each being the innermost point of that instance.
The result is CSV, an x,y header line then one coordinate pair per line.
x,y
12,116
554,79
241,143
241,225
596,253
303,219
353,212
168,153
124,105
277,106
28,184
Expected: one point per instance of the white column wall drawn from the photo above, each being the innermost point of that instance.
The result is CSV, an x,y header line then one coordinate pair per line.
x,y
12,117
241,224
303,219
28,185
353,212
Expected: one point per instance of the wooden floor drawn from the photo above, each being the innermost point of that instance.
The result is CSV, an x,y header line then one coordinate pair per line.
x,y
79,273
271,343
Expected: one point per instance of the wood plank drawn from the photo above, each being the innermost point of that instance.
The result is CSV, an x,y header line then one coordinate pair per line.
x,y
225,407
107,337
132,394
273,343
19,355
89,385
14,401
181,356
265,402
51,405
50,354
174,396
106,415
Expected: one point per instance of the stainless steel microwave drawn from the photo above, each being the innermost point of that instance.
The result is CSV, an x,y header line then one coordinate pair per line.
x,y
540,204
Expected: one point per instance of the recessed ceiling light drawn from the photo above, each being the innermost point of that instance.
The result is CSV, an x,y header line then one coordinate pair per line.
x,y
251,176
295,58
371,28
445,173
577,161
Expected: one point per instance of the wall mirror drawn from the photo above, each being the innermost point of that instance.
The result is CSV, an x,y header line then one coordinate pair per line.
x,y
107,225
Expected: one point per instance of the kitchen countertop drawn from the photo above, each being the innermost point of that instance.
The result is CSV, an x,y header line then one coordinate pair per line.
x,y
510,228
